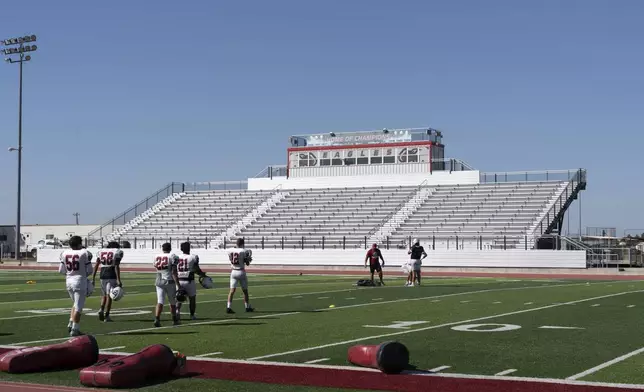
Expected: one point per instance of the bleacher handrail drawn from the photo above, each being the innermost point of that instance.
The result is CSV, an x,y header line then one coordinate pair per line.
x,y
530,176
172,188
577,180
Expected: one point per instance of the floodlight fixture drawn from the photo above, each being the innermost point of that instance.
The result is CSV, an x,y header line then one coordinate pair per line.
x,y
23,47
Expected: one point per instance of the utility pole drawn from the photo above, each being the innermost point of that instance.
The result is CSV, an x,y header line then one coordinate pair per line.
x,y
23,47
76,215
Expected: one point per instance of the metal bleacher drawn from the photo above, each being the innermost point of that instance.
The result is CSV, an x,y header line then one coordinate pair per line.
x,y
490,213
486,214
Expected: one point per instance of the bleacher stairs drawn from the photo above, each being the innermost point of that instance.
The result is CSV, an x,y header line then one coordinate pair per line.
x,y
247,220
402,214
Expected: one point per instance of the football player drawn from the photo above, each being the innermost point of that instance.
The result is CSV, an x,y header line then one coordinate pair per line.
x,y
187,267
374,256
167,282
109,261
417,255
76,264
239,258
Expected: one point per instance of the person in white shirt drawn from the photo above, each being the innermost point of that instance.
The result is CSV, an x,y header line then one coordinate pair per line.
x,y
187,268
167,282
76,265
239,258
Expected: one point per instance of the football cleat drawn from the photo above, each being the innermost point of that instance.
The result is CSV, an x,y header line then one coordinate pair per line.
x,y
250,309
101,316
229,311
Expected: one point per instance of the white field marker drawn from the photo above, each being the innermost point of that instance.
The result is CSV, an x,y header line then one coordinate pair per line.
x,y
630,306
209,354
323,297
350,298
558,327
439,369
594,306
113,348
464,302
497,302
377,299
506,372
528,303
317,360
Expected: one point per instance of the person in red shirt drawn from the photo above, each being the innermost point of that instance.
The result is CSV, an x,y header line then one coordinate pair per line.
x,y
374,256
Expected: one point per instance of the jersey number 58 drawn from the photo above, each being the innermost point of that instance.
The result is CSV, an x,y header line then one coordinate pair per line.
x,y
106,258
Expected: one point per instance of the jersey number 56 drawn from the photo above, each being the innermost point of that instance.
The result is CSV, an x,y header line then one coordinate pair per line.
x,y
71,262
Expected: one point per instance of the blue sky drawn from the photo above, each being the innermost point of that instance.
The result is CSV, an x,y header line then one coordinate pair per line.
x,y
123,97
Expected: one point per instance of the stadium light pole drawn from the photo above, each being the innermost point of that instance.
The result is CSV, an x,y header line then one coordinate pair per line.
x,y
19,47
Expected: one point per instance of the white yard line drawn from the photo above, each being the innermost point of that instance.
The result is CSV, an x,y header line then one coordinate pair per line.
x,y
558,327
317,360
209,354
113,348
506,372
440,325
125,332
605,365
439,369
222,300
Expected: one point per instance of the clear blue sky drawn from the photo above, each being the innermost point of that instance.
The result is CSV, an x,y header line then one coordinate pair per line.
x,y
123,97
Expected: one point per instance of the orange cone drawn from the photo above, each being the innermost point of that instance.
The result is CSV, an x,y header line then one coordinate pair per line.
x,y
389,357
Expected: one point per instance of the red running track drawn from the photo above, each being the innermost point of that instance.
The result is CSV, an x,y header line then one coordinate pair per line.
x,y
354,378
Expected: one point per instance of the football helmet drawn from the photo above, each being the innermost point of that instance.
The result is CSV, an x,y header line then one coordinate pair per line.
x,y
206,282
117,293
181,295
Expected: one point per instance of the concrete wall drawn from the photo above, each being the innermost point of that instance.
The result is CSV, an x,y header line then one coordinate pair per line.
x,y
435,178
394,258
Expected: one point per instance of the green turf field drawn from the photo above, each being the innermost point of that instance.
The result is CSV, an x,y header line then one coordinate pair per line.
x,y
482,326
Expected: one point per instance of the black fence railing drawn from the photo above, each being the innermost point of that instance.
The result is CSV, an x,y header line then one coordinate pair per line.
x,y
437,242
137,209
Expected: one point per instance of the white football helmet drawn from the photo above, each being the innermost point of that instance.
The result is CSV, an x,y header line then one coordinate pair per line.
x,y
206,282
117,293
90,288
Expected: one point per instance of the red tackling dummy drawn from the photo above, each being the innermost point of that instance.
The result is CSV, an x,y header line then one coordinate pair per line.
x,y
389,357
154,362
73,354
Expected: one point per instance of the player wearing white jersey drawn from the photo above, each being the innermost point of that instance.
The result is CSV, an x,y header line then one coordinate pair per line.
x,y
239,258
187,267
167,282
76,265
109,261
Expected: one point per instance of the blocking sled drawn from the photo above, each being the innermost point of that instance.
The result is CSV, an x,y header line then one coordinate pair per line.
x,y
75,353
154,362
389,357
